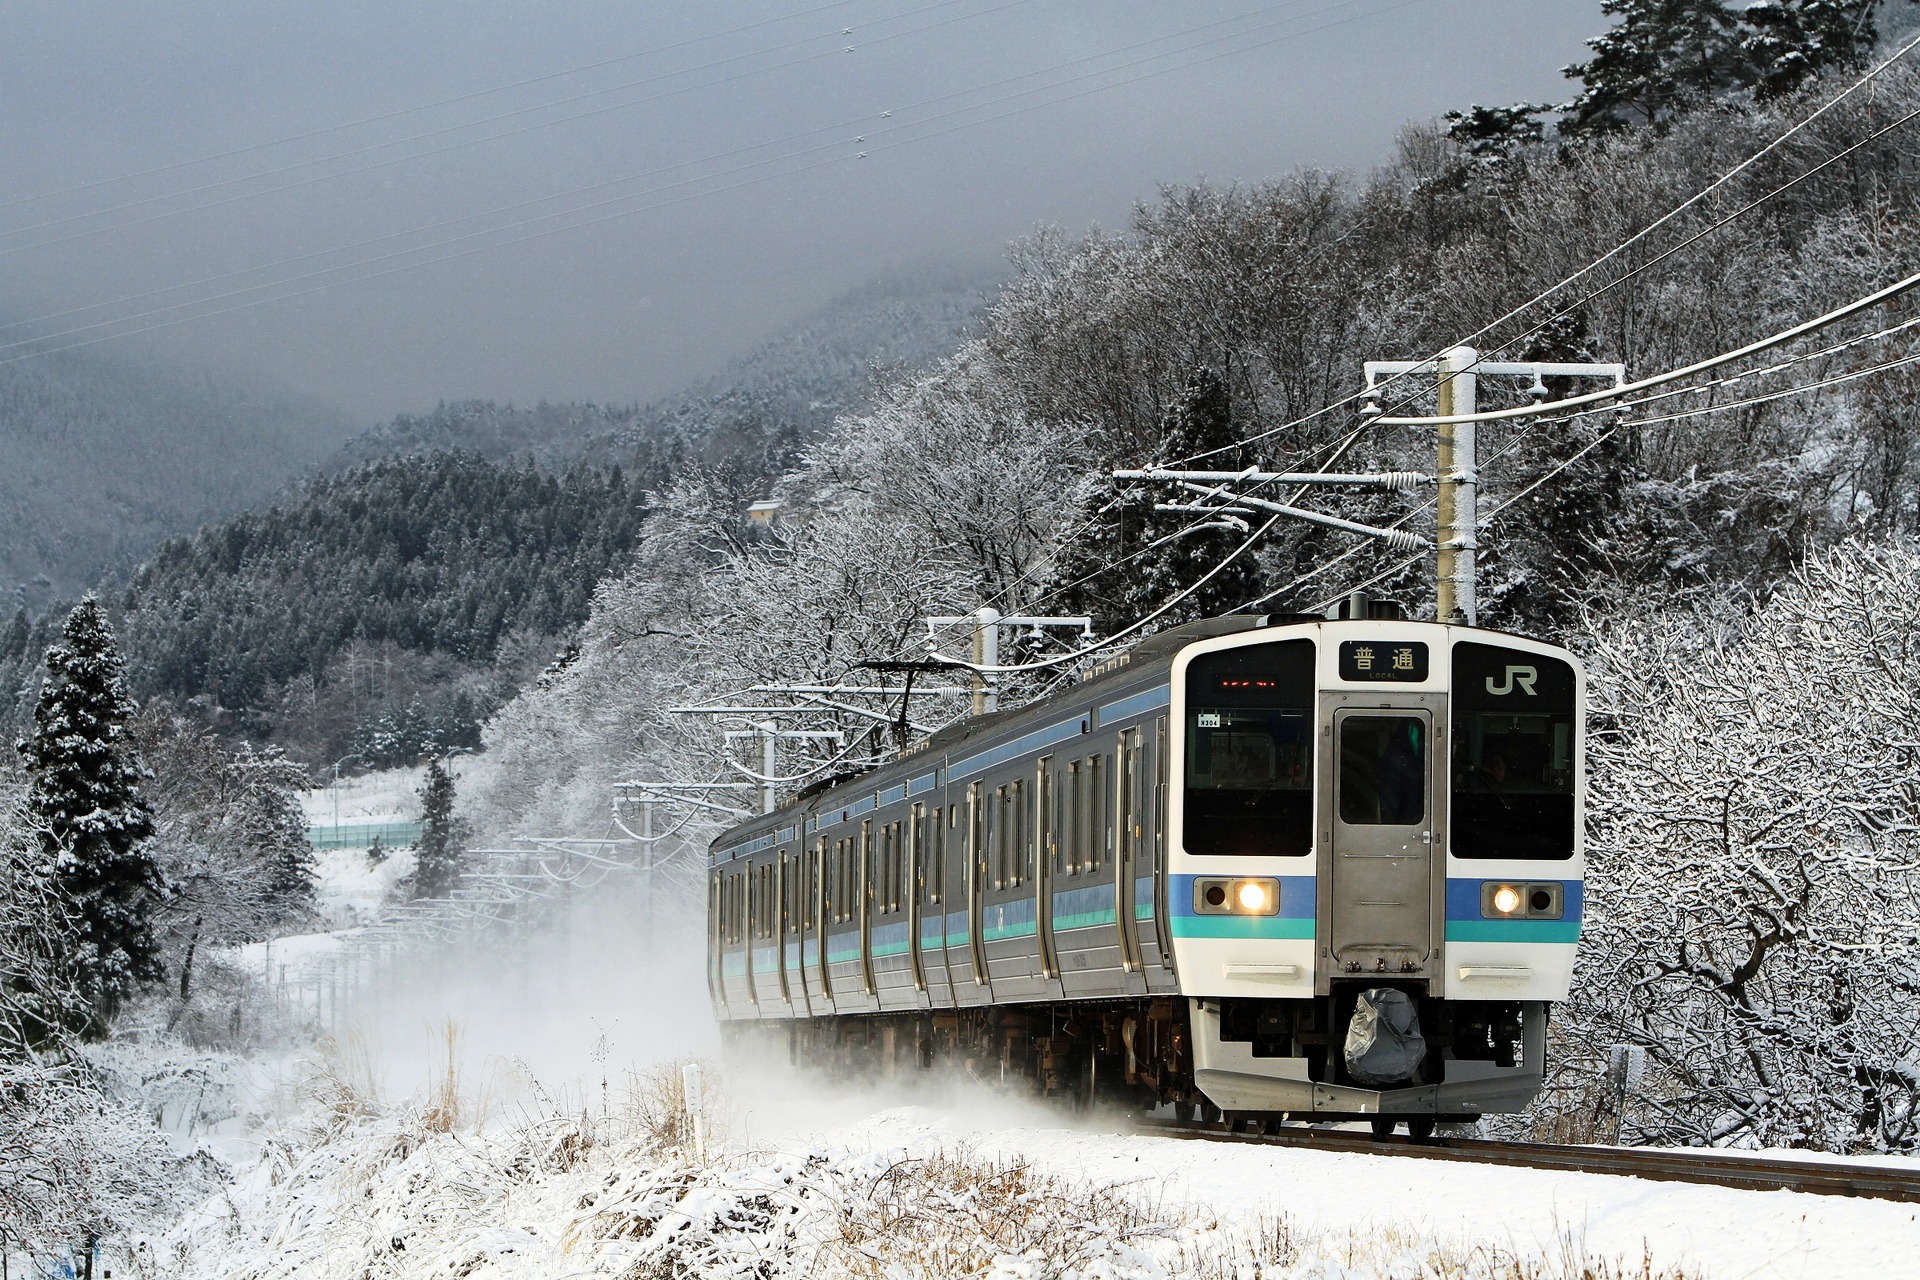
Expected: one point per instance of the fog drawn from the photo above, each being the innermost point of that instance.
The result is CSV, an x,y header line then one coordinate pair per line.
x,y
724,234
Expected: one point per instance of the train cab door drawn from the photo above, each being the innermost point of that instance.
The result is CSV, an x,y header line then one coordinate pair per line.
x,y
1380,826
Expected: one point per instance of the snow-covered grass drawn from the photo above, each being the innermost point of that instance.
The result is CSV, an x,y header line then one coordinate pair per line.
x,y
802,1181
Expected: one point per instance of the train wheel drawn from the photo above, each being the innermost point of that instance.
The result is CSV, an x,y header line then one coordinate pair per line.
x,y
1183,1111
1383,1126
1209,1113
1086,1082
1273,1126
1420,1128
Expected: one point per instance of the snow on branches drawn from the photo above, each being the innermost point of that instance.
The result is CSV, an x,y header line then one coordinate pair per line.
x,y
1754,878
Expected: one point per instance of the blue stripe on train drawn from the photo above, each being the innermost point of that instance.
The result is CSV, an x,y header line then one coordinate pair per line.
x,y
1466,924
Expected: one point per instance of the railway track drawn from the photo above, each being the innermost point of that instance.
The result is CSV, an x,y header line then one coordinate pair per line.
x,y
1749,1173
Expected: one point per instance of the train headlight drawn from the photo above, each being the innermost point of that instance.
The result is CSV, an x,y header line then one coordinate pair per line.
x,y
1236,896
1544,900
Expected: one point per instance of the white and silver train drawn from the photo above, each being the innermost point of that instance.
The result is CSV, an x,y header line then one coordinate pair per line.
x,y
1272,867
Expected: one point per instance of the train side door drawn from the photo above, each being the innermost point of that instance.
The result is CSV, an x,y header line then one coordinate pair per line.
x,y
1046,849
1126,845
916,895
820,907
1380,823
782,893
864,890
976,874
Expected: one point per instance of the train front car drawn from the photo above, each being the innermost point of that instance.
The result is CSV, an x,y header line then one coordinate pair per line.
x,y
1374,866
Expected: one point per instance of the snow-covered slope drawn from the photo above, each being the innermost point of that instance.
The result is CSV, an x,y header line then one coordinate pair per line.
x,y
971,1185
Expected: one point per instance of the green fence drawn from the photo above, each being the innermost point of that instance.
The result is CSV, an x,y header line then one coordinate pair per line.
x,y
360,835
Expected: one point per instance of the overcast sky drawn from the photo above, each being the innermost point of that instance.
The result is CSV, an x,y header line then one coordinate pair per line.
x,y
727,137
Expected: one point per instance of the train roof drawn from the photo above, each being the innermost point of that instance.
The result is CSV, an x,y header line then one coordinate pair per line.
x,y
1141,660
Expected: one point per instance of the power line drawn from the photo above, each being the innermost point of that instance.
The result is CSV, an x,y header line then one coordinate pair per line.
x,y
1618,249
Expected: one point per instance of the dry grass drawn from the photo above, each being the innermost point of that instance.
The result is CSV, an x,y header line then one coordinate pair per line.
x,y
954,1215
655,1110
442,1112
341,1080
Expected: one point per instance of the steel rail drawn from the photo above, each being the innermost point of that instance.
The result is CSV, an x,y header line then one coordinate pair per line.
x,y
1747,1173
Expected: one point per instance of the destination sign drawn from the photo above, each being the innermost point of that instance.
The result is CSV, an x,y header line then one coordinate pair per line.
x,y
1370,660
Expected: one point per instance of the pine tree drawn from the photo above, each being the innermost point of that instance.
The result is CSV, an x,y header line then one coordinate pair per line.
x,y
85,797
1789,41
1111,574
437,864
1660,57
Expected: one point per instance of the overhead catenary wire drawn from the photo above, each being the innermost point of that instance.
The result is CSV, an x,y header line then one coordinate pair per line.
x,y
1728,176
869,148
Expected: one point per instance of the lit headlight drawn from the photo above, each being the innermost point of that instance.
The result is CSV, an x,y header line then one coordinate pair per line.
x,y
1236,896
1541,900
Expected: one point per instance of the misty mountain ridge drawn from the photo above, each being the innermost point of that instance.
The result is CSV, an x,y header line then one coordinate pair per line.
x,y
758,410
101,458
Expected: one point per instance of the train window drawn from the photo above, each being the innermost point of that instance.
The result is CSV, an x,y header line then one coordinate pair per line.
x,y
1514,746
933,848
1017,832
1098,836
1249,750
1383,771
1043,829
1070,846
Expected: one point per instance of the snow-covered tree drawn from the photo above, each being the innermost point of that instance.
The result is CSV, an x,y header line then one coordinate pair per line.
x,y
230,839
1753,887
1660,57
85,798
440,851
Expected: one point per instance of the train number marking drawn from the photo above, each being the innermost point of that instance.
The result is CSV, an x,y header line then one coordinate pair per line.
x,y
1522,676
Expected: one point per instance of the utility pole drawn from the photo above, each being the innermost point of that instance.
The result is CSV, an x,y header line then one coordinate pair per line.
x,y
986,622
1456,464
1456,508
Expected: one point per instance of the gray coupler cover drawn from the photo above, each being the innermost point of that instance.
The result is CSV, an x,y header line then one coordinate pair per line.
x,y
1384,1044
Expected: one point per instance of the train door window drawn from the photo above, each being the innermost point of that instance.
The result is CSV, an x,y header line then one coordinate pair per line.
x,y
1070,846
1383,771
1044,832
975,844
934,850
996,843
900,868
1020,831
1098,836
1249,756
1513,754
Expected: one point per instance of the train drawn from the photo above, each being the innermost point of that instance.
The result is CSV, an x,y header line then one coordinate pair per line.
x,y
1252,869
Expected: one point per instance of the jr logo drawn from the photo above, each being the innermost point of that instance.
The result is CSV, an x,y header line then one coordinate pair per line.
x,y
1522,676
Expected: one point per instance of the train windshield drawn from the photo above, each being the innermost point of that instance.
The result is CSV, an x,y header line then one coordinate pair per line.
x,y
1249,740
1513,754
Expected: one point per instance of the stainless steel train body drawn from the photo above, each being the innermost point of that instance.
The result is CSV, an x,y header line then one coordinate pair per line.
x,y
1180,878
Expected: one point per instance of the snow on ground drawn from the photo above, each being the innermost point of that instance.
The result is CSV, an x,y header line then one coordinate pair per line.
x,y
386,795
809,1180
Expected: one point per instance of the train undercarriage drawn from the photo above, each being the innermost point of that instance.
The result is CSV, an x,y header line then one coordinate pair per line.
x,y
1253,1063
